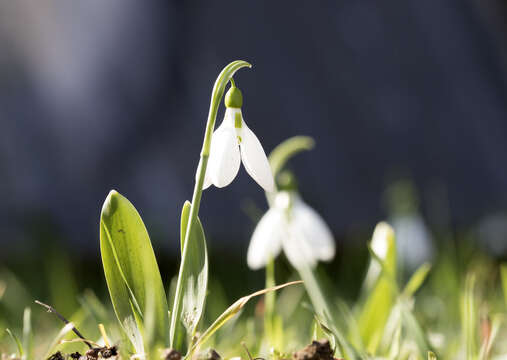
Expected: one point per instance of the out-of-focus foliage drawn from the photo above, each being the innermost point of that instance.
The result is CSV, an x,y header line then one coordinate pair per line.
x,y
456,310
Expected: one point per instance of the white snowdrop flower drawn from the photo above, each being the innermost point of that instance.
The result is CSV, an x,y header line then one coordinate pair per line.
x,y
290,224
232,143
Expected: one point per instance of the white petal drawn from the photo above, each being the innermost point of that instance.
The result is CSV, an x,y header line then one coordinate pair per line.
x,y
207,179
298,249
314,230
224,159
266,240
255,160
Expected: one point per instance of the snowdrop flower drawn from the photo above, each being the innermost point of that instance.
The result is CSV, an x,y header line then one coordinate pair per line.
x,y
290,224
233,142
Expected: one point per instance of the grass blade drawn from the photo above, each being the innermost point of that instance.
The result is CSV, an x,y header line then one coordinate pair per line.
x,y
27,333
379,302
229,314
16,342
469,318
416,280
64,331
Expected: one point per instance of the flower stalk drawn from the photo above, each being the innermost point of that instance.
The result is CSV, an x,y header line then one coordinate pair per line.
x,y
217,94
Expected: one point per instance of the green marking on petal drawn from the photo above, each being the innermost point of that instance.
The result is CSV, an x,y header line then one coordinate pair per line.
x,y
238,121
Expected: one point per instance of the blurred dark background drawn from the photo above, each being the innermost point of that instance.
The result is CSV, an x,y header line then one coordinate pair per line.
x,y
97,95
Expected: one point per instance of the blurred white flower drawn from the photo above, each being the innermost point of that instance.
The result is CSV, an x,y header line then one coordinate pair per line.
x,y
233,142
413,240
383,244
295,227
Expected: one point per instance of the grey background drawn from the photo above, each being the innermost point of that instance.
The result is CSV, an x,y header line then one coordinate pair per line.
x,y
97,95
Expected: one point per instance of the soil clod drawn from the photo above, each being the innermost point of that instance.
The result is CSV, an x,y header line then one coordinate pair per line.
x,y
212,355
171,354
317,350
108,352
56,356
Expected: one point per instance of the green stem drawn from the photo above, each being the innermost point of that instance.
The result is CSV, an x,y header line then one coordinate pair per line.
x,y
270,299
216,97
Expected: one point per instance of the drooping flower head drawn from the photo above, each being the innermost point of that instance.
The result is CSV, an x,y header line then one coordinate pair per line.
x,y
232,143
290,224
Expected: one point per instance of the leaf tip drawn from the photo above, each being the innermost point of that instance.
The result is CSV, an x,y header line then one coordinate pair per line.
x,y
110,204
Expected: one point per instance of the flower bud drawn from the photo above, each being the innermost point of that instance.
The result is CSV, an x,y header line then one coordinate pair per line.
x,y
234,98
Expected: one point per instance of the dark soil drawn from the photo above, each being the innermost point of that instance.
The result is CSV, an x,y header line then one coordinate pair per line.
x,y
317,350
95,353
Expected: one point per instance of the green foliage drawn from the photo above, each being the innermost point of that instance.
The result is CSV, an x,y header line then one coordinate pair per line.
x,y
16,341
132,273
379,302
288,149
195,279
229,313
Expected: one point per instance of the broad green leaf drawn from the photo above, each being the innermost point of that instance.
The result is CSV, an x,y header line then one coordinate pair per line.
x,y
416,280
377,307
131,270
503,275
229,313
195,279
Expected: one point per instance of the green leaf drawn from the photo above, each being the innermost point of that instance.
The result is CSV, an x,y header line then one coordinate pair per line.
x,y
379,302
195,279
131,271
416,280
431,355
229,313
287,149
